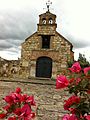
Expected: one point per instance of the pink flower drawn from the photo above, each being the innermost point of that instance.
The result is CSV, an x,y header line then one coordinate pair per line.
x,y
66,117
74,81
32,114
87,117
72,110
61,82
9,99
78,80
24,98
16,97
69,117
2,115
26,113
19,106
72,100
17,111
75,67
28,99
86,70
13,98
71,80
12,118
18,90
7,107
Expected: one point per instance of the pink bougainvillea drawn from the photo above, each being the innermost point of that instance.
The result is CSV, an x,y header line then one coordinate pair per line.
x,y
70,117
75,67
71,101
87,117
18,106
61,82
78,84
86,70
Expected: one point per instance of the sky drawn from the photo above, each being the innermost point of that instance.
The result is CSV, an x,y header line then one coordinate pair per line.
x,y
19,19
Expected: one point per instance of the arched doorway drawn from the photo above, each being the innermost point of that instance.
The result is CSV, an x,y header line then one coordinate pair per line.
x,y
44,67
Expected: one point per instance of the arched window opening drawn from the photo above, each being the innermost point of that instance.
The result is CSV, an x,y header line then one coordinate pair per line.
x,y
44,21
50,21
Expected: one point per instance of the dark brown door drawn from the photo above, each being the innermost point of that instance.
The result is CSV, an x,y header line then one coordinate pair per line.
x,y
44,67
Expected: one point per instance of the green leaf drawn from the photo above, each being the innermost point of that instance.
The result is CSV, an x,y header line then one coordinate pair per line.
x,y
84,83
89,72
83,108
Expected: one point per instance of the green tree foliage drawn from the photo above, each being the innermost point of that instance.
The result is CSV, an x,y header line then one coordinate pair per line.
x,y
83,61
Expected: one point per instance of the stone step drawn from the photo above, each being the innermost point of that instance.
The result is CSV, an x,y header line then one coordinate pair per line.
x,y
42,81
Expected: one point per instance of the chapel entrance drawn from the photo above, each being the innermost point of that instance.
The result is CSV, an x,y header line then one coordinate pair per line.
x,y
44,67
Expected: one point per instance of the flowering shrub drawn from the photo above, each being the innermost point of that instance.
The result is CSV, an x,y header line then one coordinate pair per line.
x,y
18,106
78,84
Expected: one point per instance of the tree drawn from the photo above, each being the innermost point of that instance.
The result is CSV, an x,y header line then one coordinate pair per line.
x,y
83,61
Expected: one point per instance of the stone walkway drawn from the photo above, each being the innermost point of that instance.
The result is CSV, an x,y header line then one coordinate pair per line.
x,y
49,100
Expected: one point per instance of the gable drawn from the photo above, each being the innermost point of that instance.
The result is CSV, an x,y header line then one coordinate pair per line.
x,y
29,38
64,39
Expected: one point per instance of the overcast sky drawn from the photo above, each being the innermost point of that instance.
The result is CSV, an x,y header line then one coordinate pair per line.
x,y
19,18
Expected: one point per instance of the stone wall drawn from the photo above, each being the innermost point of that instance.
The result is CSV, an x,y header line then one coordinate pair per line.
x,y
9,68
60,52
49,100
49,30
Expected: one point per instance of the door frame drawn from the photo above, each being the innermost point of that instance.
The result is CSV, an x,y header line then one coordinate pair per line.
x,y
38,66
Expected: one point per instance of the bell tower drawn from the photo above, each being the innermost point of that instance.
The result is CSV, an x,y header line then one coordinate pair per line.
x,y
47,22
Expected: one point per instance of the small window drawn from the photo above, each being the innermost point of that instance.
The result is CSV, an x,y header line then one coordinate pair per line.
x,y
44,21
50,21
46,41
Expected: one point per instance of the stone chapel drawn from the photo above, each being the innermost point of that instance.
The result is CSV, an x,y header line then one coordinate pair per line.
x,y
46,52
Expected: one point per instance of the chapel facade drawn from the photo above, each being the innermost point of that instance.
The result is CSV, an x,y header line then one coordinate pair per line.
x,y
45,53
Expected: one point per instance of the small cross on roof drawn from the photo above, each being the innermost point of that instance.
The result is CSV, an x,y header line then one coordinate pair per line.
x,y
48,4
